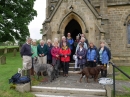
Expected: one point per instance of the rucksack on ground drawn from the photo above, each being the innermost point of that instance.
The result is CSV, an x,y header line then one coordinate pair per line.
x,y
17,79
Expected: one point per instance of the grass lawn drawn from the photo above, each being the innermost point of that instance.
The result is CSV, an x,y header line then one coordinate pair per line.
x,y
6,71
1,47
120,76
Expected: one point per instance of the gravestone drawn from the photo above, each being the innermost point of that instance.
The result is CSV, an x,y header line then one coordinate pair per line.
x,y
14,52
5,50
2,59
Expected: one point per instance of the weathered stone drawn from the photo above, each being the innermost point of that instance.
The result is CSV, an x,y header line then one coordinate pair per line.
x,y
109,91
23,87
112,26
14,52
3,59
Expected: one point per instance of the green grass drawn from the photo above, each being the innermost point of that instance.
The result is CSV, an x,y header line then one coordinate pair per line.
x,y
120,76
1,47
6,71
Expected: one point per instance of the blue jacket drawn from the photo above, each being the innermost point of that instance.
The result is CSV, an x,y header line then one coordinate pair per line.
x,y
92,54
106,55
49,56
70,41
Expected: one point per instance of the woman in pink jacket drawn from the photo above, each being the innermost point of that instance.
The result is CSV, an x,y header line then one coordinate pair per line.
x,y
55,51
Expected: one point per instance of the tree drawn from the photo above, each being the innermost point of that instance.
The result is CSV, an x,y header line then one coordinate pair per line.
x,y
15,16
41,31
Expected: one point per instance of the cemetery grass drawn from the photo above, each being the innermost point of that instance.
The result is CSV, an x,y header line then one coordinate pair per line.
x,y
6,71
2,47
120,76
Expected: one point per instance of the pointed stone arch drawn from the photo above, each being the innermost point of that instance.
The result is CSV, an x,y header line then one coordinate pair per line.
x,y
67,18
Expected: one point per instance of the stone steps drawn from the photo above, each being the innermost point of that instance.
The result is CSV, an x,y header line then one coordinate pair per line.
x,y
47,94
66,92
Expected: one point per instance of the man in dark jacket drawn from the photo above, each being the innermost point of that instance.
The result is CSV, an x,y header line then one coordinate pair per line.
x,y
42,52
26,56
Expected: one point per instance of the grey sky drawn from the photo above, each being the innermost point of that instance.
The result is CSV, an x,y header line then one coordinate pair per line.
x,y
36,24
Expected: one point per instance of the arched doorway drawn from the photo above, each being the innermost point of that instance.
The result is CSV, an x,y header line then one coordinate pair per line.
x,y
74,28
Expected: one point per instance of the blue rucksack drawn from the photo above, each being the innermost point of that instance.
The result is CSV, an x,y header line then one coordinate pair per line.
x,y
17,79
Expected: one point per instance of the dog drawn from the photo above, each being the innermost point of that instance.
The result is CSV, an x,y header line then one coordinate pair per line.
x,y
93,71
43,68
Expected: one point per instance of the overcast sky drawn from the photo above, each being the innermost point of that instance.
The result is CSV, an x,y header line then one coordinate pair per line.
x,y
36,24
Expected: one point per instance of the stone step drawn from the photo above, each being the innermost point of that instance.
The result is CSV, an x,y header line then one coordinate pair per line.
x,y
71,64
47,94
72,69
76,91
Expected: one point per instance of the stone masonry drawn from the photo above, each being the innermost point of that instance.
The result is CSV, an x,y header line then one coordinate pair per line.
x,y
99,20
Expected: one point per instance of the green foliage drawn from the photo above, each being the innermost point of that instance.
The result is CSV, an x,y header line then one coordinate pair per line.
x,y
41,31
15,16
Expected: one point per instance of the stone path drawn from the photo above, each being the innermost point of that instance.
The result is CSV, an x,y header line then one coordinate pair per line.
x,y
72,81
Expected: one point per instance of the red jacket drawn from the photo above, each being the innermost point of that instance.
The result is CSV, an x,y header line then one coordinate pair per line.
x,y
55,51
63,53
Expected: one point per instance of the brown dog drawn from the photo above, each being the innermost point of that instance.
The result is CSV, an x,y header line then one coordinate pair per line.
x,y
93,71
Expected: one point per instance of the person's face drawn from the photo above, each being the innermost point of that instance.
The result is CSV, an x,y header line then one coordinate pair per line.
x,y
69,34
82,40
29,41
55,44
42,43
102,44
64,44
34,43
77,38
64,39
49,43
91,44
82,35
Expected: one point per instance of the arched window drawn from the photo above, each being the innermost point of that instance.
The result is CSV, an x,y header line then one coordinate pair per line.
x,y
128,32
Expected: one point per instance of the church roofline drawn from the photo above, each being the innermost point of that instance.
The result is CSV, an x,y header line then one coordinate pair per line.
x,y
94,11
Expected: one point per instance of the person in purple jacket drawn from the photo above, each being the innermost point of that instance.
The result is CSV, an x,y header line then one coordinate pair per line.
x,y
81,55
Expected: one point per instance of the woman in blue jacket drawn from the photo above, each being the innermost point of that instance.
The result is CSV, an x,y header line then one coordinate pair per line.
x,y
104,57
92,55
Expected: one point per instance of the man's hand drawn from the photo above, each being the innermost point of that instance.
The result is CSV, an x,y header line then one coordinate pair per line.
x,y
57,55
65,56
80,57
40,55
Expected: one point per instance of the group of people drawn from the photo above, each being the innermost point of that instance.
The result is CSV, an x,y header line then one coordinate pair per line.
x,y
59,54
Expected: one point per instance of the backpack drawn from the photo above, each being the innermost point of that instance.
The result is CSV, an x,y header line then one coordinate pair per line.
x,y
23,80
17,79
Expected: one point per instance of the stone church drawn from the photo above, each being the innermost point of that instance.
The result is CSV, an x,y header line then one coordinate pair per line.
x,y
107,20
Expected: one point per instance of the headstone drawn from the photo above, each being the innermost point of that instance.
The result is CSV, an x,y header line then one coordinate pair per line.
x,y
109,69
5,50
23,87
2,59
14,52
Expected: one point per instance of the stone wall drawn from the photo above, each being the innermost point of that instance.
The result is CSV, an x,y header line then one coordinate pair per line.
x,y
118,33
86,18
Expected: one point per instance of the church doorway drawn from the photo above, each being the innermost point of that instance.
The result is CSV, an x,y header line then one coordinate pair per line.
x,y
74,28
